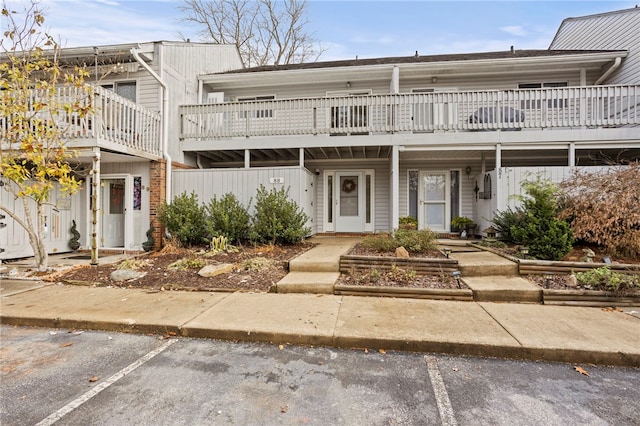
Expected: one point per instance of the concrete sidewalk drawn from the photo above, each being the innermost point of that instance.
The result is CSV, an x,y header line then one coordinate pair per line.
x,y
526,331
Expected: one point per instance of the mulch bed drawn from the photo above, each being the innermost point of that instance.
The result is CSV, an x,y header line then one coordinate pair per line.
x,y
159,277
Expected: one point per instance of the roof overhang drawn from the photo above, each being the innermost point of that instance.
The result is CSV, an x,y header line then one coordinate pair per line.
x,y
459,68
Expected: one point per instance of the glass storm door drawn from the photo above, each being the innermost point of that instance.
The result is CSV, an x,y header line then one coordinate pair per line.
x,y
350,209
113,212
434,209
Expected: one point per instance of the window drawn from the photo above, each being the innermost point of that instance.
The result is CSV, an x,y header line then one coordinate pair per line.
x,y
536,103
257,113
349,112
126,89
413,193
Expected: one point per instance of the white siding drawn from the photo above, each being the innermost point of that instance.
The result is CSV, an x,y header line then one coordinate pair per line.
x,y
244,183
611,31
14,239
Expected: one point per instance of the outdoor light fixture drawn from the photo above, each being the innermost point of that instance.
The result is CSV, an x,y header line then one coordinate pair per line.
x,y
456,276
547,279
524,251
447,251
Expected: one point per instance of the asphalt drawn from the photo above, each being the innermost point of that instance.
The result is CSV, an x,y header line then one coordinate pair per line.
x,y
608,336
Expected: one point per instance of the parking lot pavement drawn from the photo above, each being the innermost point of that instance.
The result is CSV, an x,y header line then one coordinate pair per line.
x,y
109,378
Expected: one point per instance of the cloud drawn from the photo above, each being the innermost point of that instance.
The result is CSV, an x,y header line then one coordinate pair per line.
x,y
515,30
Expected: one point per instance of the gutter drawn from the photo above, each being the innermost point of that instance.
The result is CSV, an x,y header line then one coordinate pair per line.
x,y
165,122
615,66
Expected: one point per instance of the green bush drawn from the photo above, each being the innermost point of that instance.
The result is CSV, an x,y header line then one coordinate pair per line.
x,y
227,217
546,236
412,240
277,219
506,220
606,279
185,220
379,242
416,241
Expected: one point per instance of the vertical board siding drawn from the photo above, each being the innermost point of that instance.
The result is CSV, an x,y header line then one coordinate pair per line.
x,y
243,183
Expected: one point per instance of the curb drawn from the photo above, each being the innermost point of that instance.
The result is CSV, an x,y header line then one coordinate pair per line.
x,y
348,342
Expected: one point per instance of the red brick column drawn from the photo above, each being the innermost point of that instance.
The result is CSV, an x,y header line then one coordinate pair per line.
x,y
157,177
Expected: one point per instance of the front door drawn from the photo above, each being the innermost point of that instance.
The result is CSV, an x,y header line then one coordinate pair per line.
x,y
434,206
350,206
114,209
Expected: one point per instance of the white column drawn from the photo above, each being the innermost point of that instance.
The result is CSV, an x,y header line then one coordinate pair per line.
x,y
247,158
395,187
498,156
572,154
95,206
301,155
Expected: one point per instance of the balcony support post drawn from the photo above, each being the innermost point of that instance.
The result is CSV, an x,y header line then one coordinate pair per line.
x,y
572,154
395,187
301,156
247,158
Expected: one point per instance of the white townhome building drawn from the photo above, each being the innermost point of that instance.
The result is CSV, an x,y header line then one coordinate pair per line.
x,y
360,143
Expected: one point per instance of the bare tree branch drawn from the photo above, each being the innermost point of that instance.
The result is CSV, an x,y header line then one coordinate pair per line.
x,y
266,32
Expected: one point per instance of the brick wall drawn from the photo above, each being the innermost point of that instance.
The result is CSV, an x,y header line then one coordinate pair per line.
x,y
158,174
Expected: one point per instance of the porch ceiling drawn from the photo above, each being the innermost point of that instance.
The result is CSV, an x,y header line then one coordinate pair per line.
x,y
293,155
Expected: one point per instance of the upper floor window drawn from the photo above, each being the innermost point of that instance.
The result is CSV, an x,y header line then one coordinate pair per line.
x,y
257,113
536,103
126,89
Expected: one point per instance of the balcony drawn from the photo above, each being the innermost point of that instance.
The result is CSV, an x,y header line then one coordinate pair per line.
x,y
114,123
511,110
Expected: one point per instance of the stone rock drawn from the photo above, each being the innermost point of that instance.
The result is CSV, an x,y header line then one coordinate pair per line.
x,y
572,281
213,270
120,275
402,253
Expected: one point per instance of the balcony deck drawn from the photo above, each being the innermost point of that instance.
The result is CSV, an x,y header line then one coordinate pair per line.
x,y
511,110
114,123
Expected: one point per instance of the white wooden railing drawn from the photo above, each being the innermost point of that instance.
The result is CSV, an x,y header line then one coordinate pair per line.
x,y
564,107
111,118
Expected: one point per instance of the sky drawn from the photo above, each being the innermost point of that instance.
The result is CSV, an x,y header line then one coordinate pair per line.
x,y
346,29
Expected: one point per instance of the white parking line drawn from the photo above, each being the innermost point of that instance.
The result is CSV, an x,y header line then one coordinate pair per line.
x,y
442,397
104,385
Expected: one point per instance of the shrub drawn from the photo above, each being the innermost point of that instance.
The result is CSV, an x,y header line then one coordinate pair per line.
x,y
379,242
606,279
412,240
185,220
603,208
546,236
416,241
227,217
508,219
277,219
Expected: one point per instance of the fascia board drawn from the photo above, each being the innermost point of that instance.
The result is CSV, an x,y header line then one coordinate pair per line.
x,y
407,70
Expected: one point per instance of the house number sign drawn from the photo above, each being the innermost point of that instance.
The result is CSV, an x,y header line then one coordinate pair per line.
x,y
276,180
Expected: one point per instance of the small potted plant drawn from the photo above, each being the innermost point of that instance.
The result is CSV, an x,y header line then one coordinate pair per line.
x,y
462,224
408,223
74,242
148,245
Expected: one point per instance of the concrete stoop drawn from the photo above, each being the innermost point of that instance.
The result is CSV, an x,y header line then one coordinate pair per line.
x,y
512,289
308,282
479,264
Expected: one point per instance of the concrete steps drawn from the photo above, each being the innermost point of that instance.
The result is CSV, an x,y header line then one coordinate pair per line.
x,y
482,263
500,288
317,270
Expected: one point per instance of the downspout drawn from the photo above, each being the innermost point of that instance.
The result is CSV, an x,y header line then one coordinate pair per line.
x,y
615,66
165,121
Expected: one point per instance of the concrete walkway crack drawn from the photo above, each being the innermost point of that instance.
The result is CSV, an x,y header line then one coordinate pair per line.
x,y
500,324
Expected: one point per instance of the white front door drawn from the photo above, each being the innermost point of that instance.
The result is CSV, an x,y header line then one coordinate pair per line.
x,y
434,207
115,211
350,206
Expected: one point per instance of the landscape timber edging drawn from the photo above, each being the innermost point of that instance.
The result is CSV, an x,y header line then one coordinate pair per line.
x,y
464,295
422,266
537,267
588,298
